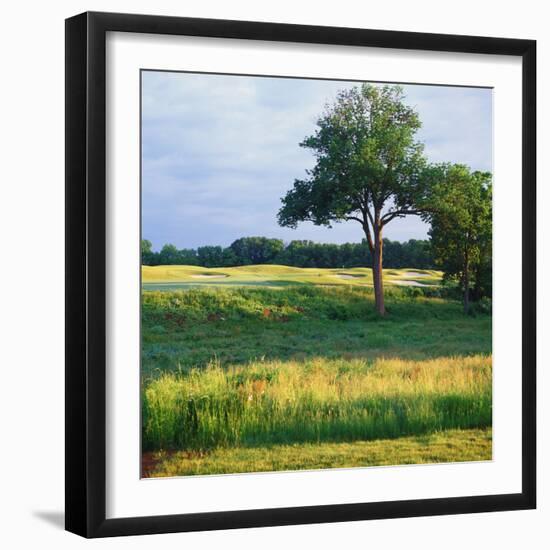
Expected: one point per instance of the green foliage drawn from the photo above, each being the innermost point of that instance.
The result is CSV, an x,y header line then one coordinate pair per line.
x,y
461,228
298,253
308,301
484,306
215,256
147,254
396,255
366,157
256,250
146,246
171,255
369,169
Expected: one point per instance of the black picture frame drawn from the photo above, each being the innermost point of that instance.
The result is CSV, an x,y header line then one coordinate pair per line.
x,y
86,279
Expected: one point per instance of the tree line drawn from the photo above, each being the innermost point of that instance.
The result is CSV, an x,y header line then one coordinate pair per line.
x,y
298,253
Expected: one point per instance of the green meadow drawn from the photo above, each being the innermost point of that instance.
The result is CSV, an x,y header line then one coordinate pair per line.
x,y
172,277
262,368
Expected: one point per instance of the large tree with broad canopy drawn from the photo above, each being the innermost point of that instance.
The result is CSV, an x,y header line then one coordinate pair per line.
x,y
368,169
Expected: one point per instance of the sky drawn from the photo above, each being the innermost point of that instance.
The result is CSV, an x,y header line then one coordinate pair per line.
x,y
219,152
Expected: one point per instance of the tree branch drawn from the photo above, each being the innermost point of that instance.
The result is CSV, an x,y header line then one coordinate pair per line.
x,y
389,216
370,216
366,229
347,218
370,242
367,215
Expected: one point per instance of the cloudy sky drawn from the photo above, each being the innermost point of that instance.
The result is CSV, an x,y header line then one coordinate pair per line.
x,y
219,152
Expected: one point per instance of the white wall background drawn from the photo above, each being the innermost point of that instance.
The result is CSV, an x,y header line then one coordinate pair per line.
x,y
32,264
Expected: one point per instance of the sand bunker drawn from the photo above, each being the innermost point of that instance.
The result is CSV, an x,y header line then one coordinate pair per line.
x,y
408,283
348,276
204,276
415,274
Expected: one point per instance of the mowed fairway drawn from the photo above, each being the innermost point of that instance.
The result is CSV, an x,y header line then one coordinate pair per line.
x,y
175,277
275,368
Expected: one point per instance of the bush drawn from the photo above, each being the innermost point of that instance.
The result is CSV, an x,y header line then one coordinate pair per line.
x,y
481,307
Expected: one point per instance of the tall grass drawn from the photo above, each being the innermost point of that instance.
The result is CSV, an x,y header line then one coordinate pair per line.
x,y
318,399
188,329
293,302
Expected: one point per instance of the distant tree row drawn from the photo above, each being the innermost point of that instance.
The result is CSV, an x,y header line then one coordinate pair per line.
x,y
298,253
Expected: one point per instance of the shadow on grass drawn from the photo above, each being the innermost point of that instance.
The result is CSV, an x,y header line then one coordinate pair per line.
x,y
187,329
240,342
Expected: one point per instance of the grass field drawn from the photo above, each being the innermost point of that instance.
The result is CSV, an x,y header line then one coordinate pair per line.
x,y
173,277
433,448
285,368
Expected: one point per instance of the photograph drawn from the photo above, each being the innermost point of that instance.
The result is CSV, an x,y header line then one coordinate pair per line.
x,y
292,263
316,274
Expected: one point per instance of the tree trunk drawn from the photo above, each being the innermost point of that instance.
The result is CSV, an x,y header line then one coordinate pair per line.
x,y
377,272
466,282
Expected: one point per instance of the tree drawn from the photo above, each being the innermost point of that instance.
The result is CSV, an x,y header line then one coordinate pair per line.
x,y
461,228
416,253
256,250
169,255
186,256
148,257
210,256
146,246
368,168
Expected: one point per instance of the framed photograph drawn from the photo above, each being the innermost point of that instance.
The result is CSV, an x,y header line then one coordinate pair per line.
x,y
300,274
